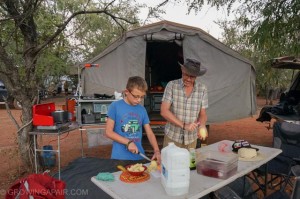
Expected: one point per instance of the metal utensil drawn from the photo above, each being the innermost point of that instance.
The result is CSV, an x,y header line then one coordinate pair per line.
x,y
144,156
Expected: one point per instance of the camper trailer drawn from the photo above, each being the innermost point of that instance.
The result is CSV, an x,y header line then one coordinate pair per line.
x,y
154,51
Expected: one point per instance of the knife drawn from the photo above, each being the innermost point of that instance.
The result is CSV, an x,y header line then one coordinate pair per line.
x,y
144,156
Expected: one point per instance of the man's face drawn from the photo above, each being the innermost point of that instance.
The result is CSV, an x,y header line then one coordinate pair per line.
x,y
188,80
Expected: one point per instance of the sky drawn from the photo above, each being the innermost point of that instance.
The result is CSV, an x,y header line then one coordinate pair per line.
x,y
204,19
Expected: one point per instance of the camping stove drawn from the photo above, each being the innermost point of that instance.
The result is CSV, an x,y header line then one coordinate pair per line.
x,y
57,126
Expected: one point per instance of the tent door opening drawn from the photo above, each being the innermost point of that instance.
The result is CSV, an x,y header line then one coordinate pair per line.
x,y
161,67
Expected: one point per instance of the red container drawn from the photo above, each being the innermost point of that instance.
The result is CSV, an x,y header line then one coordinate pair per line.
x,y
41,114
71,103
136,173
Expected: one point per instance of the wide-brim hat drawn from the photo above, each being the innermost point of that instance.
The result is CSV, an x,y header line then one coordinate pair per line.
x,y
193,67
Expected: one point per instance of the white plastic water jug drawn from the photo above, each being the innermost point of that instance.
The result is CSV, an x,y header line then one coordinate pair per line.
x,y
175,170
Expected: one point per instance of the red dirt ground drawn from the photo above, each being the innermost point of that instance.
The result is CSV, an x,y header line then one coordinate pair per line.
x,y
11,166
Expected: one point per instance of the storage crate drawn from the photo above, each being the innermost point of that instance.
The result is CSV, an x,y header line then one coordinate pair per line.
x,y
217,164
96,137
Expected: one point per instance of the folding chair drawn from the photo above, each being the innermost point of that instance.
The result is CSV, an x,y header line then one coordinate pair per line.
x,y
282,194
286,136
227,193
240,188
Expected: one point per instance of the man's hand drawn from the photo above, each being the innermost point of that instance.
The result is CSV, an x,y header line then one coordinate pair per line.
x,y
202,133
191,127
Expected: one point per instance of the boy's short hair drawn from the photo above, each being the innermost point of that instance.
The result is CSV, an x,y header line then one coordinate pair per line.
x,y
136,82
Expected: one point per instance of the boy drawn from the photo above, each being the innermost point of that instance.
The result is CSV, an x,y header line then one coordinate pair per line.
x,y
126,118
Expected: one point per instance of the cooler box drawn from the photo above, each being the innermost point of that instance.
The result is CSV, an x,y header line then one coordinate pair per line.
x,y
217,164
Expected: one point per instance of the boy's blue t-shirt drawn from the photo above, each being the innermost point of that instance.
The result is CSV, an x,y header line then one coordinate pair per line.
x,y
129,121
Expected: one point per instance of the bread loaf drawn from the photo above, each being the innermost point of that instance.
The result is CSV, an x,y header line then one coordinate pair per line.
x,y
247,153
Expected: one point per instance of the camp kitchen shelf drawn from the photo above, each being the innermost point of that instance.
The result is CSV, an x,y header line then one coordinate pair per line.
x,y
94,120
92,111
153,101
58,132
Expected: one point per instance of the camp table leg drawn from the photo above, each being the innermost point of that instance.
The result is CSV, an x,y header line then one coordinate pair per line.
x,y
81,129
35,155
58,154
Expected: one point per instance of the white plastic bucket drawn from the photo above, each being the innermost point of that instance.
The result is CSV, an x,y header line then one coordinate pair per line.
x,y
175,172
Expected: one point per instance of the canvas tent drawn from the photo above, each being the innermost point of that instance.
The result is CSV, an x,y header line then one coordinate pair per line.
x,y
153,52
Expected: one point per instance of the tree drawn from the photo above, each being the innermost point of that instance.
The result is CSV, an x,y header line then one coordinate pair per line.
x,y
268,79
41,37
274,25
269,29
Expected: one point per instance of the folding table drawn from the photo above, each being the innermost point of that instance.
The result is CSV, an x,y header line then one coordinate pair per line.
x,y
200,185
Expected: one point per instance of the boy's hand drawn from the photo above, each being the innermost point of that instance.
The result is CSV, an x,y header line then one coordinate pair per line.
x,y
157,156
133,148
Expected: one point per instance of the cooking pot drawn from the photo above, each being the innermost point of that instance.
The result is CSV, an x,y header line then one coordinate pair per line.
x,y
60,116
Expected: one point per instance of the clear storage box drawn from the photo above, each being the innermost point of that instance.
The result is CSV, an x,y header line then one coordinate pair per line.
x,y
96,137
217,164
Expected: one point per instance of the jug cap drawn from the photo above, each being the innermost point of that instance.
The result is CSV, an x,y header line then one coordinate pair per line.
x,y
171,143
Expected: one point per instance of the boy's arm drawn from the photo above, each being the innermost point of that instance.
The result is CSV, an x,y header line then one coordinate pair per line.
x,y
152,139
109,132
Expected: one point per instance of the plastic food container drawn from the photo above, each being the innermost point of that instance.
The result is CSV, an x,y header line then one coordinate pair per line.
x,y
217,164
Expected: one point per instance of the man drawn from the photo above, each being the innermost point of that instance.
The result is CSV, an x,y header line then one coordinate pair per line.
x,y
184,106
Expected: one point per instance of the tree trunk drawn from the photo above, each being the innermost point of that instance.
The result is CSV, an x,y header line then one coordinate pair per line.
x,y
25,141
267,94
